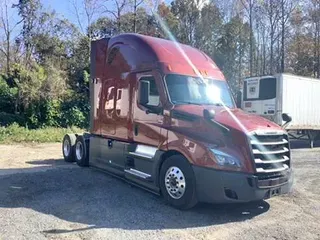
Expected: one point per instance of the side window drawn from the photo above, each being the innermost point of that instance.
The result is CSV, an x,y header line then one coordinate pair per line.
x,y
112,55
154,98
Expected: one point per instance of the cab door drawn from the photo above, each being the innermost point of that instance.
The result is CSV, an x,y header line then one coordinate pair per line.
x,y
147,126
147,132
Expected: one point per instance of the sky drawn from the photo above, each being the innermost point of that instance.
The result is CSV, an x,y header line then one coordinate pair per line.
x,y
62,7
65,8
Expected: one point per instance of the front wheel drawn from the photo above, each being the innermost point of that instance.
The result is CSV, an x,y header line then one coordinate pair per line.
x,y
177,182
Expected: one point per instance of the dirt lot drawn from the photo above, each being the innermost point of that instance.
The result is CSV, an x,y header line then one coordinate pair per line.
x,y
41,197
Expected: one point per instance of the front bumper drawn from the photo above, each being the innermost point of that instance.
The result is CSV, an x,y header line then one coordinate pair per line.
x,y
215,186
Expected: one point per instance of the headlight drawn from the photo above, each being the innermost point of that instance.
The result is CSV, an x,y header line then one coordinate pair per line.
x,y
224,159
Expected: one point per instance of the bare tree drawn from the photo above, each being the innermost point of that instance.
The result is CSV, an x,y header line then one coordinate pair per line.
x,y
227,8
259,27
249,7
8,29
135,6
287,8
273,12
315,23
86,11
120,6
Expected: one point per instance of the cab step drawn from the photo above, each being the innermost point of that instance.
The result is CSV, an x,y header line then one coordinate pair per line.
x,y
138,174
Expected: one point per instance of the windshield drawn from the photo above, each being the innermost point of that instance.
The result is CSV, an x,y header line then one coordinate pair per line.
x,y
195,90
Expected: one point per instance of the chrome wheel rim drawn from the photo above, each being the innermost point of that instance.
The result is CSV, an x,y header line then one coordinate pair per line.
x,y
175,182
79,150
66,148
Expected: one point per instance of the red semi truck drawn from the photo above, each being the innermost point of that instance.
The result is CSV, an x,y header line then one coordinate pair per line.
x,y
163,118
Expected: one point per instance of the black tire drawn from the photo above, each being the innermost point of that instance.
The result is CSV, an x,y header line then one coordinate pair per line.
x,y
189,198
82,151
68,143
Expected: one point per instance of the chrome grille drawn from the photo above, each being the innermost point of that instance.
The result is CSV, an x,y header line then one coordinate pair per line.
x,y
271,154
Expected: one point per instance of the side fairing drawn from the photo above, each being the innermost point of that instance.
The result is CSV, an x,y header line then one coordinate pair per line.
x,y
97,72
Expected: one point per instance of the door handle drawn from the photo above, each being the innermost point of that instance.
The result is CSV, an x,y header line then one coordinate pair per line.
x,y
136,130
110,143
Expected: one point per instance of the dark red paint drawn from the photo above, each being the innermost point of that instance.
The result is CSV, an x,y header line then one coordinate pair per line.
x,y
123,60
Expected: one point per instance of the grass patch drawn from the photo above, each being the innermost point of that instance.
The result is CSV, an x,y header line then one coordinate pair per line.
x,y
17,134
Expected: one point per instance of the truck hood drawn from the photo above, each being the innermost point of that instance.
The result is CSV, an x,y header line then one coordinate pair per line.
x,y
232,118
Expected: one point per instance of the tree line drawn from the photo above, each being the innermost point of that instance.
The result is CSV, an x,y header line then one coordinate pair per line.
x,y
44,58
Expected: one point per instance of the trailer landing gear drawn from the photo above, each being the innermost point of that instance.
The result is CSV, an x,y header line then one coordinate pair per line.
x,y
312,135
306,135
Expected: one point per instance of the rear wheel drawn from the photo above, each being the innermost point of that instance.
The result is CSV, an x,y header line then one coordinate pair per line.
x,y
68,144
82,151
177,182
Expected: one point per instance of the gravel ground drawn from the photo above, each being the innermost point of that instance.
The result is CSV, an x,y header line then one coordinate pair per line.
x,y
42,197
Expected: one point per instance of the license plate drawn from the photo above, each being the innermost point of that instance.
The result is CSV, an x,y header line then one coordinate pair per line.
x,y
274,192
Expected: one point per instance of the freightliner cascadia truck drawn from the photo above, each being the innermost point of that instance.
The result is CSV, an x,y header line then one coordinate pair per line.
x,y
163,118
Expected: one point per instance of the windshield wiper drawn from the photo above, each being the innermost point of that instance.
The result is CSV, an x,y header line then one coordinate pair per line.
x,y
186,102
195,103
218,104
214,104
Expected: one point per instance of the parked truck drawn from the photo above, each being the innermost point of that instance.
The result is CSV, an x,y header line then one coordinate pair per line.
x,y
296,96
163,118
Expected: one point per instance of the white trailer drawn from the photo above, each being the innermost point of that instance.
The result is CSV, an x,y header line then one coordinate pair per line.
x,y
296,96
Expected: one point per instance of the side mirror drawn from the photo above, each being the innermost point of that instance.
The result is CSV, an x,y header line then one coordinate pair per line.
x,y
208,114
144,92
286,117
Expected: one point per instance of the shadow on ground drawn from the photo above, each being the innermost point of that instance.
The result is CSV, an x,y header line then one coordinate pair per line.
x,y
40,165
47,162
87,196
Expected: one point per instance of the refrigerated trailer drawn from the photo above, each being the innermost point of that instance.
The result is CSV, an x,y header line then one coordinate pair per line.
x,y
296,96
163,118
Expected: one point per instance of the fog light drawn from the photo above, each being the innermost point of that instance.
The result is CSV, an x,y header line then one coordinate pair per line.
x,y
230,194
